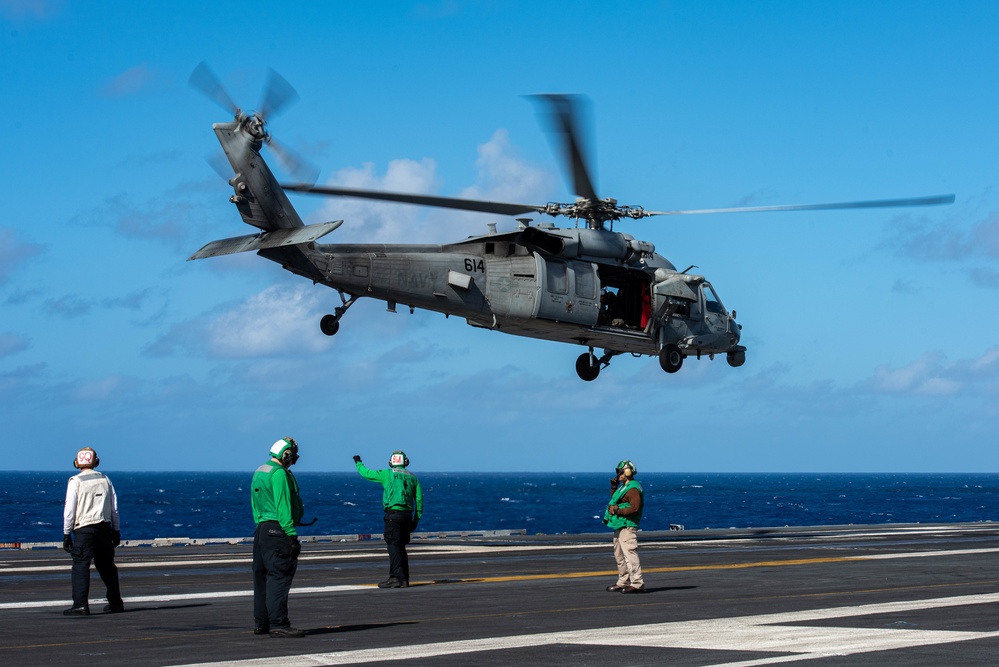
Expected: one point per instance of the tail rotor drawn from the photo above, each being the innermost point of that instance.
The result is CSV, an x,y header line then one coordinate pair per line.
x,y
278,94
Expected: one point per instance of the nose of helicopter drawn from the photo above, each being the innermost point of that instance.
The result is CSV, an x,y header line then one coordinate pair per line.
x,y
734,329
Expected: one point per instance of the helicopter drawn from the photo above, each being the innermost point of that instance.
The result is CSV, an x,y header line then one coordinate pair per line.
x,y
586,285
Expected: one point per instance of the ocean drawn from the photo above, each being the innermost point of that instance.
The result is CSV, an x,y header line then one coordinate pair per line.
x,y
216,504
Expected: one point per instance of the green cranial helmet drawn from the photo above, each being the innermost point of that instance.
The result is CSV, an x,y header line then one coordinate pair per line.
x,y
627,464
285,450
398,459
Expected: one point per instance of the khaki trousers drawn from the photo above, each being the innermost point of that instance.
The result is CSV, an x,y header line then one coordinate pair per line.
x,y
629,570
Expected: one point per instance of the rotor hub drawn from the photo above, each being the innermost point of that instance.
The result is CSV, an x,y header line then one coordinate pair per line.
x,y
255,126
596,212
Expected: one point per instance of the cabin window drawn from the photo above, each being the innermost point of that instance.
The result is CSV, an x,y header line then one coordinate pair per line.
x,y
558,281
586,285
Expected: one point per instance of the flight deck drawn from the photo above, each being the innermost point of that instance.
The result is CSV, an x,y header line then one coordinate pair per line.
x,y
909,595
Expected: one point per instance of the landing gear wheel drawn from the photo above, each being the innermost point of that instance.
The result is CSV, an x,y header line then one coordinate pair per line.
x,y
330,324
671,358
584,370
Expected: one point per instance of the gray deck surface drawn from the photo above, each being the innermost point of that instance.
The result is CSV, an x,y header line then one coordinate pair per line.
x,y
850,595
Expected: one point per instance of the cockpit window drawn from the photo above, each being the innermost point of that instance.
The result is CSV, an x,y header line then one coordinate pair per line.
x,y
711,302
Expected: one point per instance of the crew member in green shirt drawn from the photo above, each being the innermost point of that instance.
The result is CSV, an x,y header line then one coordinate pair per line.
x,y
402,499
277,509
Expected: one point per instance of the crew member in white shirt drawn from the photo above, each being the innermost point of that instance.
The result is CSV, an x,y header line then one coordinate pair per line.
x,y
91,533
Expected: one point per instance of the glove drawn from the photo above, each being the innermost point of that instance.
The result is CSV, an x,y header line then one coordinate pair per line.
x,y
115,538
357,459
296,546
67,543
612,509
614,483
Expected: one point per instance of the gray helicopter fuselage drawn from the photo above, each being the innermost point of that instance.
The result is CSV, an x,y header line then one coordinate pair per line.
x,y
590,287
499,282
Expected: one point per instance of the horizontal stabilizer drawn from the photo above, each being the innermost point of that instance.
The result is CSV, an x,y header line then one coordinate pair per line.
x,y
272,239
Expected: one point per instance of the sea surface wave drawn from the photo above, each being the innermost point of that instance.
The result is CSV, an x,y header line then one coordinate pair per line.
x,y
217,504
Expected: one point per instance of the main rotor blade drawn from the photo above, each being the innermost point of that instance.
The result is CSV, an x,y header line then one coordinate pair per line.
x,y
563,115
278,93
424,200
203,79
876,203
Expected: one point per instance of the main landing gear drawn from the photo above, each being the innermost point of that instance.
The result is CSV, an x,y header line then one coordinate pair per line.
x,y
330,323
588,365
670,358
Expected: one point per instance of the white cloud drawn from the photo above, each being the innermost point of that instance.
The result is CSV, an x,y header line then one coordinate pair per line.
x,y
174,217
501,176
104,388
11,343
71,306
975,246
369,221
988,362
505,177
129,82
13,253
279,320
933,375
14,384
31,9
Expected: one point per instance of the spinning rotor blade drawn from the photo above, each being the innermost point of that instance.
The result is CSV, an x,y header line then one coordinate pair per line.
x,y
220,165
278,93
876,203
563,115
424,200
203,79
294,163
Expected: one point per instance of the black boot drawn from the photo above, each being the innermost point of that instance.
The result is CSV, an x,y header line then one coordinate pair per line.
x,y
391,582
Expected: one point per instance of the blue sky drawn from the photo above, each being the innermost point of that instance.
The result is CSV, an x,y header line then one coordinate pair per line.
x,y
872,335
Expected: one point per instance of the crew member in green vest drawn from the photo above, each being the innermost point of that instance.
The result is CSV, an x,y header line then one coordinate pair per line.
x,y
624,515
402,499
277,509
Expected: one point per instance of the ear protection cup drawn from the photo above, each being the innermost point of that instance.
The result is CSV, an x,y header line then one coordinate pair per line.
x,y
285,450
290,455
627,468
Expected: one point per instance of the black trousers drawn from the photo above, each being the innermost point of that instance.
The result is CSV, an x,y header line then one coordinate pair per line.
x,y
275,560
398,529
93,543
